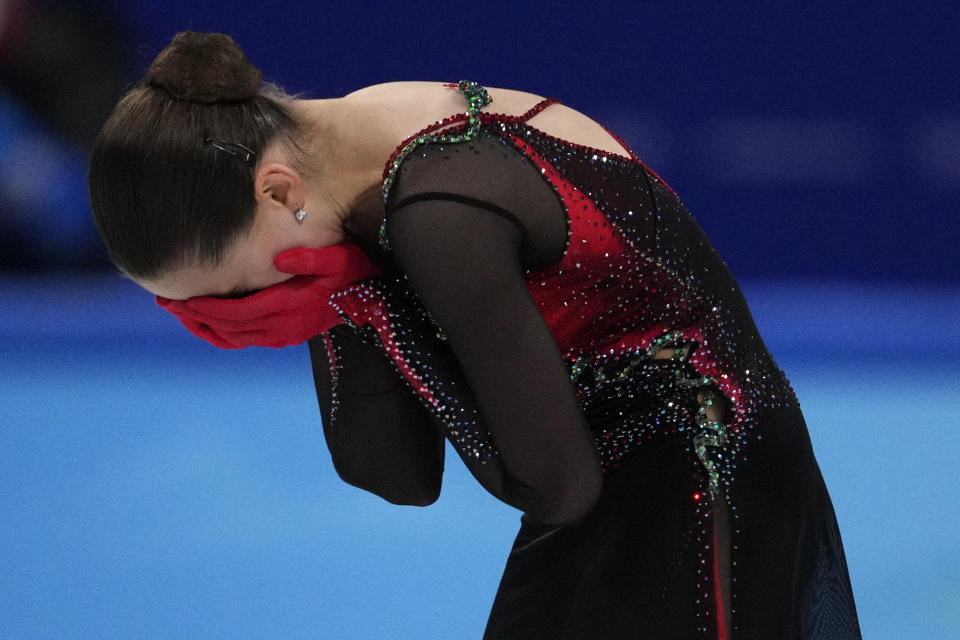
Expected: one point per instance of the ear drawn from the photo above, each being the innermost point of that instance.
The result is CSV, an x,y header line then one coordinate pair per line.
x,y
278,185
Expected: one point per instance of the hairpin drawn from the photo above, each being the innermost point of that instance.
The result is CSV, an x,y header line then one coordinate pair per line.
x,y
244,154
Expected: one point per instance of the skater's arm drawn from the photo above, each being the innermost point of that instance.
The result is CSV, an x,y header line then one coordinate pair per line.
x,y
380,437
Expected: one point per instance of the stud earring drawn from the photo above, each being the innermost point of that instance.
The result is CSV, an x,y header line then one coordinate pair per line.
x,y
300,214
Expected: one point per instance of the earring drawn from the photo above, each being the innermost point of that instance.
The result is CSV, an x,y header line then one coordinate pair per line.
x,y
300,214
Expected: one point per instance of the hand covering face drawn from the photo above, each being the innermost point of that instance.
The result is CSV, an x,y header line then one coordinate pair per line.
x,y
284,314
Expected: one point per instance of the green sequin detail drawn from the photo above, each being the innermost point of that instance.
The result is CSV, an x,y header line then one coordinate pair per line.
x,y
712,435
477,98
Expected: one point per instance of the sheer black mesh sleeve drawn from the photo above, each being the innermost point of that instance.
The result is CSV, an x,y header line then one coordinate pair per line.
x,y
379,435
463,221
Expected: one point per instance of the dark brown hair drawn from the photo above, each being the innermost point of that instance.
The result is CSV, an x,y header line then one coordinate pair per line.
x,y
168,180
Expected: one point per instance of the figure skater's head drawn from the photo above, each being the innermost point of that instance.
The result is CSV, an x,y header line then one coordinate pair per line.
x,y
185,162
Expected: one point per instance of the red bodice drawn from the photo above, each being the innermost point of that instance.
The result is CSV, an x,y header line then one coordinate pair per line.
x,y
637,275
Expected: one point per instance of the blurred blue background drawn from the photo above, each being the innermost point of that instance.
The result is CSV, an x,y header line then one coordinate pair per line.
x,y
154,487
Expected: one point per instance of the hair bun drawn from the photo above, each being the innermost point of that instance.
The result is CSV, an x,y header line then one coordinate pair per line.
x,y
204,67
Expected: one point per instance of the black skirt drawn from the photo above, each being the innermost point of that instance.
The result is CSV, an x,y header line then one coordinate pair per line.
x,y
658,559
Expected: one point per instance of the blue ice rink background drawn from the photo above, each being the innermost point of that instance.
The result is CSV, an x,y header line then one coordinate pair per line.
x,y
155,487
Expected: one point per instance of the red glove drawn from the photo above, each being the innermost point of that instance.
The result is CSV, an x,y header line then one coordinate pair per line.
x,y
287,313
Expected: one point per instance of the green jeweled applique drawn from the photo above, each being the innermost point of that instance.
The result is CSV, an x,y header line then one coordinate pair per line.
x,y
673,338
477,98
712,435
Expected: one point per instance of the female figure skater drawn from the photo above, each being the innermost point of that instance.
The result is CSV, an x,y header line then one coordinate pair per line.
x,y
515,280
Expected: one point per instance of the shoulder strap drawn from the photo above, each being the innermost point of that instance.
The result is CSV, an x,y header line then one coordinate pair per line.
x,y
537,108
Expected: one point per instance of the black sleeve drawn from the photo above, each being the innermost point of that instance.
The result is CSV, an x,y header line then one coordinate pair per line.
x,y
462,247
379,435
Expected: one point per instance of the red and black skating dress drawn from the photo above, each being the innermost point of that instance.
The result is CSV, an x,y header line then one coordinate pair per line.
x,y
545,292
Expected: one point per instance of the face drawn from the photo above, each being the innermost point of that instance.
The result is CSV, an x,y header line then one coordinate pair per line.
x,y
248,264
